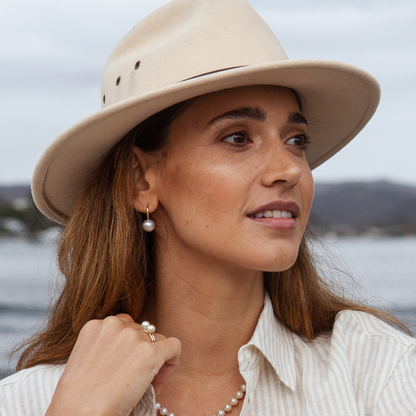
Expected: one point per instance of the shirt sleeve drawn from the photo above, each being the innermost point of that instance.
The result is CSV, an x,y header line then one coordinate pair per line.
x,y
29,392
399,395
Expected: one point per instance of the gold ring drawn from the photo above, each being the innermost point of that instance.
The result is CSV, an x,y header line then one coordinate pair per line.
x,y
152,337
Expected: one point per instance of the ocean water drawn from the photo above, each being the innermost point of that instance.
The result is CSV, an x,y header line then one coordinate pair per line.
x,y
384,271
26,271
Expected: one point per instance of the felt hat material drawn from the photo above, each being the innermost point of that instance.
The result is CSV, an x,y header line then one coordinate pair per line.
x,y
189,48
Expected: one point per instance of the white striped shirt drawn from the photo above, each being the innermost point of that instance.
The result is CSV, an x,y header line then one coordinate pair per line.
x,y
363,367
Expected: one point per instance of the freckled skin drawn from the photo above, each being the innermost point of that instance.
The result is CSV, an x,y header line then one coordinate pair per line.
x,y
206,186
209,259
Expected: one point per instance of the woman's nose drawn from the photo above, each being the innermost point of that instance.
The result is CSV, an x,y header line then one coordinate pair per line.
x,y
281,166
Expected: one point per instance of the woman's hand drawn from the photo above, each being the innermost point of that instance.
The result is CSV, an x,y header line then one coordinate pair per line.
x,y
110,368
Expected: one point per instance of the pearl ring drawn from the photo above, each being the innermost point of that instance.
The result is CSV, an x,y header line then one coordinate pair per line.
x,y
149,330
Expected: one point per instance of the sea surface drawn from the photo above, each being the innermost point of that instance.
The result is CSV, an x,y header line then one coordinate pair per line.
x,y
383,272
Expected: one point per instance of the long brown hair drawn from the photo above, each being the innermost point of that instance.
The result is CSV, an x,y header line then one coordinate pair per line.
x,y
106,260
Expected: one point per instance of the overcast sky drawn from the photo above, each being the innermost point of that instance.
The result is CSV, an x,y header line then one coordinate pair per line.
x,y
53,53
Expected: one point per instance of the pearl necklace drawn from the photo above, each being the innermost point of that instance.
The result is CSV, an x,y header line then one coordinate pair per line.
x,y
150,330
227,408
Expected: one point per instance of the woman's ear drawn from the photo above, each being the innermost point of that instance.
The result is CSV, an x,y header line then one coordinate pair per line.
x,y
144,195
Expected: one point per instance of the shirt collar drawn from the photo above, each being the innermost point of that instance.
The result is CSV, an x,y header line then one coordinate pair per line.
x,y
274,341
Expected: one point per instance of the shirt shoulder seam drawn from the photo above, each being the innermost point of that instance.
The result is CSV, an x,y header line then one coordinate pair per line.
x,y
30,371
380,327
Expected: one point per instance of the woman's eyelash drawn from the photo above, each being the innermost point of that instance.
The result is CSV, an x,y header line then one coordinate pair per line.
x,y
234,137
305,140
241,139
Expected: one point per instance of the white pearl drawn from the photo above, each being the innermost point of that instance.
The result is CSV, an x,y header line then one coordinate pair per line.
x,y
171,414
221,413
239,395
148,225
163,411
234,402
243,388
145,324
151,328
228,408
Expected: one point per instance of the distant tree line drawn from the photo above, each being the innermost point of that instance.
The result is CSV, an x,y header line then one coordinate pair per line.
x,y
20,216
356,208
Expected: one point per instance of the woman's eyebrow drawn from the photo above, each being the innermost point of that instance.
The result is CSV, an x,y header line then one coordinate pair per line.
x,y
253,113
296,118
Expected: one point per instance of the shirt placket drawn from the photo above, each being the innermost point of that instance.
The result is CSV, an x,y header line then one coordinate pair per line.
x,y
147,404
248,360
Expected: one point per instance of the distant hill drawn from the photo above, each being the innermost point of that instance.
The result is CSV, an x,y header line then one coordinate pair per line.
x,y
18,213
9,194
357,207
343,208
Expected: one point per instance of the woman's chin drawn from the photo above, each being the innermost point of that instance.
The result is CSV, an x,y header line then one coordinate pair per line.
x,y
276,264
280,267
279,259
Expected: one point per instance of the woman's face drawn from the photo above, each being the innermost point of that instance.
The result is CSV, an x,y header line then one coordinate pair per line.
x,y
235,186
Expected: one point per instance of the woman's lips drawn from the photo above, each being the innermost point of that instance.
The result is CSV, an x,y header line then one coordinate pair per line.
x,y
277,214
277,223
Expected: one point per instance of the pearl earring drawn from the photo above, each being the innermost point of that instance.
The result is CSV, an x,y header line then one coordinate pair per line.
x,y
148,225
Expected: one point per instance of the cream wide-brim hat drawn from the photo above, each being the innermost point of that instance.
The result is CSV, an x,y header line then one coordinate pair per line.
x,y
185,49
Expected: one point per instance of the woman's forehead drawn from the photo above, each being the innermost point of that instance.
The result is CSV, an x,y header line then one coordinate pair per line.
x,y
233,102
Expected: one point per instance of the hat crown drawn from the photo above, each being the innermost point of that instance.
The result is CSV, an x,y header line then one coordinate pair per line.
x,y
185,39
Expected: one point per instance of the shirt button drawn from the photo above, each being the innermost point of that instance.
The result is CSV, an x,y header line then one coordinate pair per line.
x,y
247,355
251,398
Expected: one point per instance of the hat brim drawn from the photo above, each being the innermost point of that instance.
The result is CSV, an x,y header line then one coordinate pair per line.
x,y
338,101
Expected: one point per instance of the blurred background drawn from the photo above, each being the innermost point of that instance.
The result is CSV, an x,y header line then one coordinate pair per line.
x,y
52,56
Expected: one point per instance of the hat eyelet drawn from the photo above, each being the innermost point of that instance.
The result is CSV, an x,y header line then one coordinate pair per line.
x,y
118,80
104,99
137,64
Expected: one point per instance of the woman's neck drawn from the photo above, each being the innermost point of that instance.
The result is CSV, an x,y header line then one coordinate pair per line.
x,y
211,307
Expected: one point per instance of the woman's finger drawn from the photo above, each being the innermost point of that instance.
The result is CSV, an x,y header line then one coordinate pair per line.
x,y
125,317
172,350
113,362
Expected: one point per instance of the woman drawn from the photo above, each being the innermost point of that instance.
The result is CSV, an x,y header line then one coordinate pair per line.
x,y
186,200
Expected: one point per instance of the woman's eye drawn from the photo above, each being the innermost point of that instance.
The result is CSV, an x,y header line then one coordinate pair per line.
x,y
300,140
236,138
